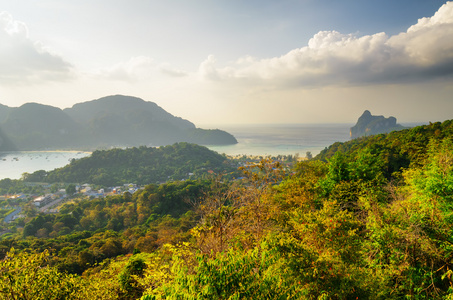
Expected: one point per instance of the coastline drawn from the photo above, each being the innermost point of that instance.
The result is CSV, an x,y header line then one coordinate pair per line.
x,y
47,151
14,163
265,140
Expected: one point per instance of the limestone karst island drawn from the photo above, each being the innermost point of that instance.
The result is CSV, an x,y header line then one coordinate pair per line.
x,y
368,124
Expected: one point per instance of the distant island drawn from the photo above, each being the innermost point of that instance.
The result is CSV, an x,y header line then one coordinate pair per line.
x,y
368,124
112,121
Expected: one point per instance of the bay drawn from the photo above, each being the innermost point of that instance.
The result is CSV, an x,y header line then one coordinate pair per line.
x,y
14,164
255,140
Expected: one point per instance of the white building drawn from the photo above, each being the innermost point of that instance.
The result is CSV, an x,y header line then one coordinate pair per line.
x,y
42,200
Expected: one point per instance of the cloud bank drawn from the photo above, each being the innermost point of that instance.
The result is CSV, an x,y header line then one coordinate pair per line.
x,y
22,60
133,70
136,69
423,52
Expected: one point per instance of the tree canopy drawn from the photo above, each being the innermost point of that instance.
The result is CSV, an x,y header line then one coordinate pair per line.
x,y
142,165
367,219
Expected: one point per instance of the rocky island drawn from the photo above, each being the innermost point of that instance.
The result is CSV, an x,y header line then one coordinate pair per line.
x,y
368,124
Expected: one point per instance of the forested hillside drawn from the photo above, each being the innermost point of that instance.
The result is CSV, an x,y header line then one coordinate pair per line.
x,y
408,144
367,219
141,165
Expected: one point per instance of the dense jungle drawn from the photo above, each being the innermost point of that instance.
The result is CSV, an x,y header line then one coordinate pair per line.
x,y
371,218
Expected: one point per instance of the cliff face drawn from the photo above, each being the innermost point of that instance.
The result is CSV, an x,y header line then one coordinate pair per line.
x,y
368,124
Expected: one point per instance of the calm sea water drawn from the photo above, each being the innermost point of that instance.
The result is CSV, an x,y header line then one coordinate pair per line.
x,y
14,164
259,140
263,140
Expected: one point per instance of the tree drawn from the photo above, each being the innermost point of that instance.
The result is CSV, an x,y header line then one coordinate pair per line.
x,y
70,189
28,276
135,267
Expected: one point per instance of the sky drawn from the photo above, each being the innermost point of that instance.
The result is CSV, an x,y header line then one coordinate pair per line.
x,y
234,61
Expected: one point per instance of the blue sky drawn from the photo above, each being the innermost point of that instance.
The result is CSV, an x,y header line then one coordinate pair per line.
x,y
223,62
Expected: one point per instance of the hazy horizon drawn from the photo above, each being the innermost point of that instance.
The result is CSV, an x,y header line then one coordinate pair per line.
x,y
244,62
233,125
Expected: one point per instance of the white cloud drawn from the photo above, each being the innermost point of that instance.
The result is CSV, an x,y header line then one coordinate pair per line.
x,y
442,16
134,69
170,71
137,69
424,52
208,69
22,60
428,45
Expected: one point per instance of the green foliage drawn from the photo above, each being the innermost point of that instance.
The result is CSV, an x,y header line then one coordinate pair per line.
x,y
435,178
27,276
141,165
400,148
86,232
135,267
9,186
233,275
70,189
374,221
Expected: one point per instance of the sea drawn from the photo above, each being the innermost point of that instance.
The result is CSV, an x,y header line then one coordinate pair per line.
x,y
13,164
283,139
253,140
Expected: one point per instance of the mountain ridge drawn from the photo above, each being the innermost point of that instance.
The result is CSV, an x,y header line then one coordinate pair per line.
x,y
111,121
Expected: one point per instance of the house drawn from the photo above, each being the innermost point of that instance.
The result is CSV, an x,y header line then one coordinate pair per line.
x,y
61,192
85,188
42,200
130,185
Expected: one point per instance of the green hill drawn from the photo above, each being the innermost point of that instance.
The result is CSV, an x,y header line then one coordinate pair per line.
x,y
141,165
367,219
399,149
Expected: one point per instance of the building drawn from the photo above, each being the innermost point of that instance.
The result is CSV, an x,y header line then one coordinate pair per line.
x,y
42,200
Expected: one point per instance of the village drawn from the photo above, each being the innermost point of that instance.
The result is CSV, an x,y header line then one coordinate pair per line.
x,y
49,202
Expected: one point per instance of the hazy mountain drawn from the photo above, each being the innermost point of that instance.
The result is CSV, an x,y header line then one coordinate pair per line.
x,y
4,111
37,126
122,120
113,121
125,120
5,142
367,124
131,109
